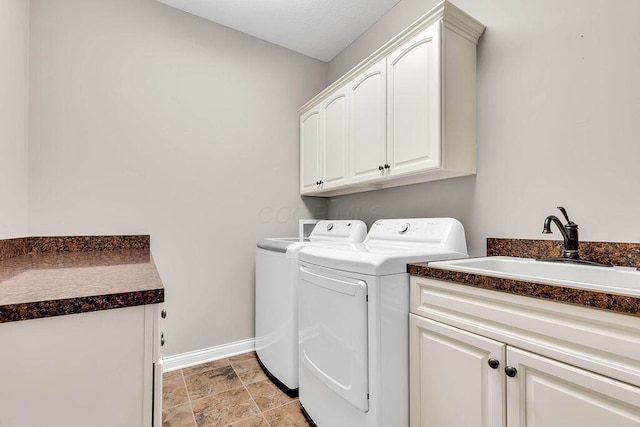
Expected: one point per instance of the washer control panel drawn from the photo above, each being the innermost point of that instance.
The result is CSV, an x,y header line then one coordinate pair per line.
x,y
406,228
345,230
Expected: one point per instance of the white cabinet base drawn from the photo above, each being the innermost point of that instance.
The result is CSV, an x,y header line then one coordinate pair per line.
x,y
451,382
574,366
546,393
90,369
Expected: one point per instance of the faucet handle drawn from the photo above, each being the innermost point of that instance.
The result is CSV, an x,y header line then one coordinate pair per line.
x,y
564,212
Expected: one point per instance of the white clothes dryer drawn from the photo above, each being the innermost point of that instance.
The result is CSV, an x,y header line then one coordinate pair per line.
x,y
354,321
276,311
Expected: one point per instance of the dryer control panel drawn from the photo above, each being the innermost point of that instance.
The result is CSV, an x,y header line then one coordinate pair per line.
x,y
442,233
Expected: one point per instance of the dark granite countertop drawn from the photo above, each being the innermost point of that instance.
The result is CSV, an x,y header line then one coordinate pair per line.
x,y
625,254
54,276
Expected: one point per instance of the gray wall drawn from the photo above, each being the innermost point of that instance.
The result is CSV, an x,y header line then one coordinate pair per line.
x,y
14,116
146,119
558,122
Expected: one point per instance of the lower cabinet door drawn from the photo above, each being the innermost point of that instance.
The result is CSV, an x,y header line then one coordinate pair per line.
x,y
546,393
457,377
88,369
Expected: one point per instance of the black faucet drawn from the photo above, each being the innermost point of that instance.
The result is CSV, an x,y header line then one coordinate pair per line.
x,y
569,233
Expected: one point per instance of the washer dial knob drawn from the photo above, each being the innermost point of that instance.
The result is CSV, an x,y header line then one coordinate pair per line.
x,y
404,229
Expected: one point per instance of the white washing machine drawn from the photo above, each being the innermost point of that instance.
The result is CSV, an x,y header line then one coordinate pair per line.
x,y
277,296
354,321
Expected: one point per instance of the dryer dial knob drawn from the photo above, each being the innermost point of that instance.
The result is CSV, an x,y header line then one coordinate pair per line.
x,y
404,229
329,226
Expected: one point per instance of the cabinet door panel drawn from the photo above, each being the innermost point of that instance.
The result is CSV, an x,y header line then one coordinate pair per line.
x,y
79,369
335,140
368,125
546,393
451,383
413,141
310,151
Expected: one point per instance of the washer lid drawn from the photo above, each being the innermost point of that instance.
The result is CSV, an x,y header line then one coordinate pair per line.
x,y
324,232
279,244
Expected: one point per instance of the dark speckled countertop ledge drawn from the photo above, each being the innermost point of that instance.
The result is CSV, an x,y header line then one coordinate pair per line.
x,y
53,276
624,254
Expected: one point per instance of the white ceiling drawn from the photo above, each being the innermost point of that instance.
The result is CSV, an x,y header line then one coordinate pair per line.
x,y
317,28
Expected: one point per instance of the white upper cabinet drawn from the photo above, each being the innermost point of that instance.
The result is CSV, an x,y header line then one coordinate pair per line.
x,y
368,142
406,114
323,144
310,154
413,141
334,138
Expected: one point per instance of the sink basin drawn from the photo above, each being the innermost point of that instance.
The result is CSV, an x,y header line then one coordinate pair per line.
x,y
617,280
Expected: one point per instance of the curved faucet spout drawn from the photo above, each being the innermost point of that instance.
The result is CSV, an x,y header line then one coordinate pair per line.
x,y
546,229
569,233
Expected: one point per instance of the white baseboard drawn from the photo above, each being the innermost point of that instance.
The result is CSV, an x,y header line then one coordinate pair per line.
x,y
184,360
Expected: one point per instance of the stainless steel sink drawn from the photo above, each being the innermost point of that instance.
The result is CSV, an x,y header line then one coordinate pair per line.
x,y
618,280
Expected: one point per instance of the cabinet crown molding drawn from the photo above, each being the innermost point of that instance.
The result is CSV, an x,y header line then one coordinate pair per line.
x,y
454,18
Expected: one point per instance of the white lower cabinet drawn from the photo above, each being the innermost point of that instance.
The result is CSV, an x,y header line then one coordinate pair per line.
x,y
547,393
475,360
99,369
451,382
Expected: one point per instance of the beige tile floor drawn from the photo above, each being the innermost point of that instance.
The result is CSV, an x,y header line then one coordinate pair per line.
x,y
232,392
